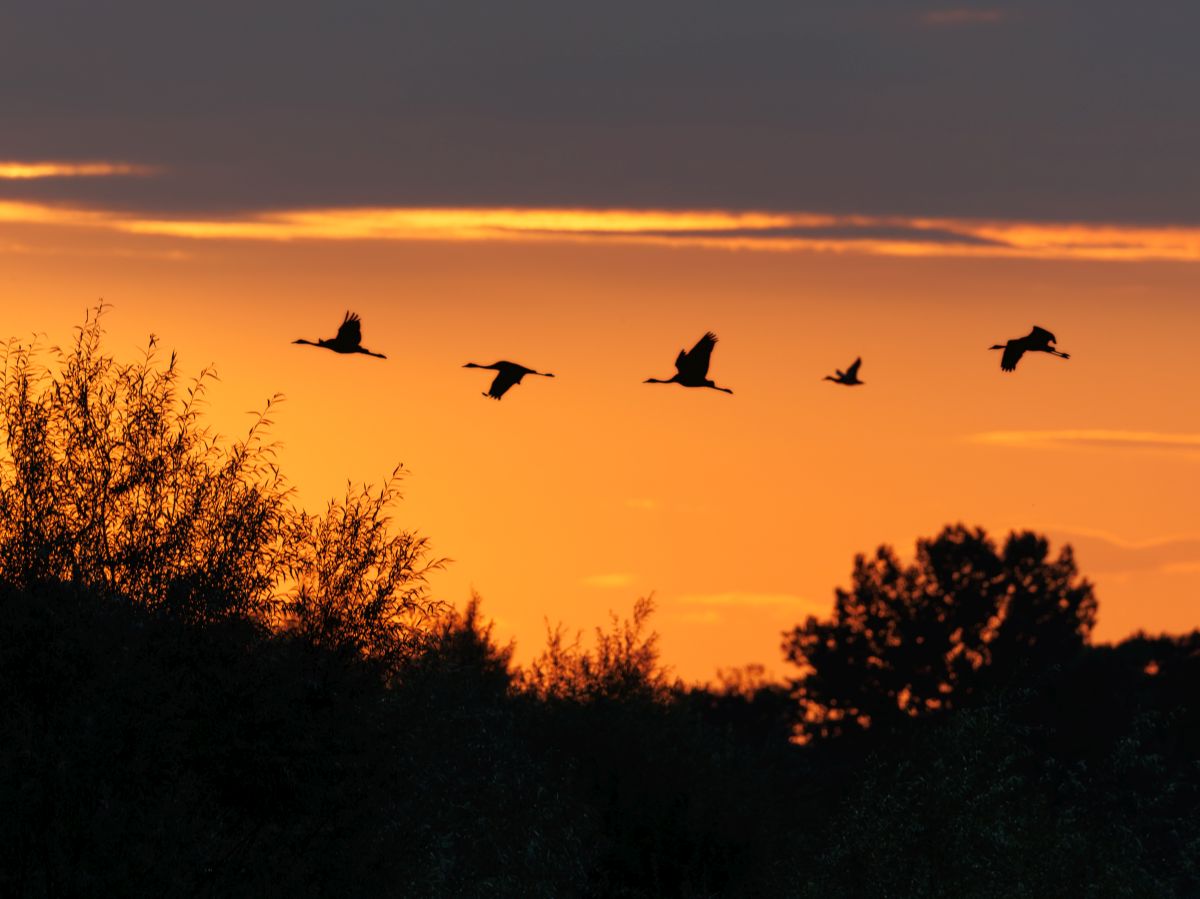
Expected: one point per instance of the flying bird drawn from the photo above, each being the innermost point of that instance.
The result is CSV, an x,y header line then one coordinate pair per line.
x,y
691,366
849,377
507,374
348,339
1036,341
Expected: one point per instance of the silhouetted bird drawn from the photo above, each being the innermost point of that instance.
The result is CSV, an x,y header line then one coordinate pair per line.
x,y
348,339
1036,341
507,374
849,377
691,367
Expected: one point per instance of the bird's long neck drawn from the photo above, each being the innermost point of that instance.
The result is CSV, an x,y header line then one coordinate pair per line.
x,y
829,378
999,346
658,381
305,342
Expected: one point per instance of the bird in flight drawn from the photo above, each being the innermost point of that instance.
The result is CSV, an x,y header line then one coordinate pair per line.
x,y
849,377
507,374
348,339
691,366
1036,341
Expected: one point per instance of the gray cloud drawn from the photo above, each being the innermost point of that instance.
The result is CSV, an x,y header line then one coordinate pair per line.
x,y
963,17
1055,109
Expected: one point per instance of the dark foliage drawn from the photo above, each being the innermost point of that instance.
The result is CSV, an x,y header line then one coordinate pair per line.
x,y
908,641
1086,786
145,755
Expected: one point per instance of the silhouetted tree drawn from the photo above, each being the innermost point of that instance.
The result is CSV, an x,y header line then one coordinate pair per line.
x,y
109,481
906,641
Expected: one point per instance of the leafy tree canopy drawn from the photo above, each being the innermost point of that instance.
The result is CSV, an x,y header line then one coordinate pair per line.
x,y
909,640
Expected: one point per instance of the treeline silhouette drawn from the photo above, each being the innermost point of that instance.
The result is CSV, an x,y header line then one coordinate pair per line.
x,y
208,692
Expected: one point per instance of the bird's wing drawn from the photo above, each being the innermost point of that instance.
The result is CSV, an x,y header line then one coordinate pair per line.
x,y
505,378
1041,335
350,331
1013,351
695,361
852,371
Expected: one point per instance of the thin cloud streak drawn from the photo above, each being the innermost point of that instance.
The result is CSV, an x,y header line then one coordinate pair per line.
x,y
1069,533
717,608
11,170
1105,553
1091,439
608,581
1182,568
644,504
788,601
714,229
18,213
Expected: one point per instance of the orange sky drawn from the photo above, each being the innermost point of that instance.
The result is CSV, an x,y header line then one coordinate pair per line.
x,y
740,513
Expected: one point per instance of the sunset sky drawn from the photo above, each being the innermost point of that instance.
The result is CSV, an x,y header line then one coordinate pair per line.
x,y
586,189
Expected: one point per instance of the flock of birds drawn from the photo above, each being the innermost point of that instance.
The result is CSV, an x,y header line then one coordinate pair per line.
x,y
691,366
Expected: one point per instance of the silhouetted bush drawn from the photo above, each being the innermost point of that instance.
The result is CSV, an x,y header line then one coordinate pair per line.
x,y
623,665
355,582
674,803
908,641
109,481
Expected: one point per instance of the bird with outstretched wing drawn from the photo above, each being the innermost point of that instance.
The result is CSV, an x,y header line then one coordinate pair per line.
x,y
691,366
348,339
507,375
